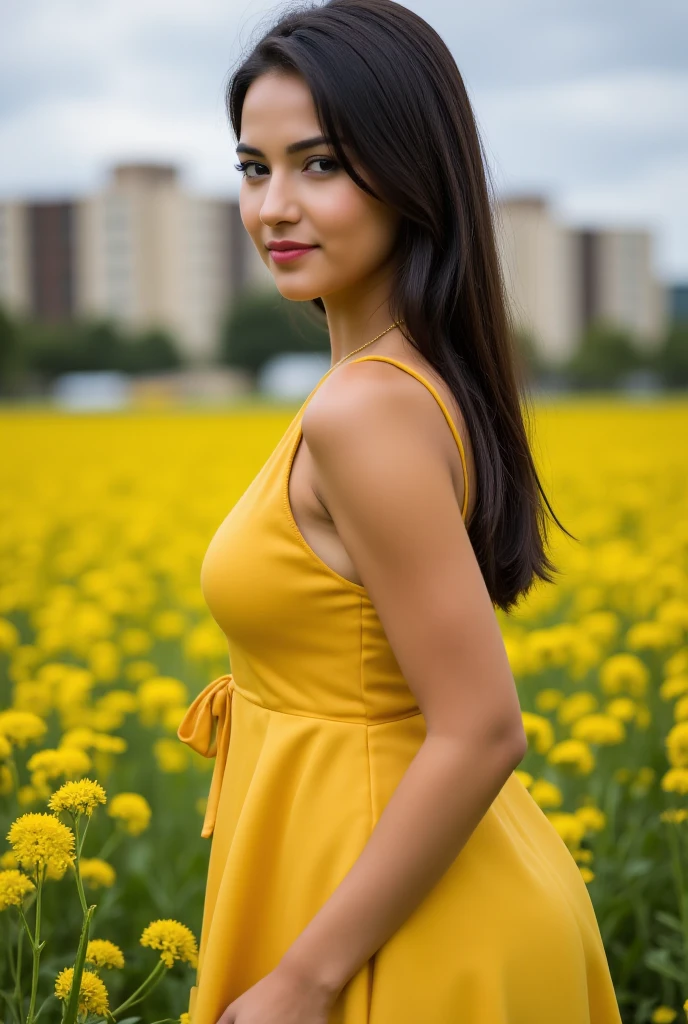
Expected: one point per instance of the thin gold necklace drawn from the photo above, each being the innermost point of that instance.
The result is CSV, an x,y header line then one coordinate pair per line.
x,y
391,326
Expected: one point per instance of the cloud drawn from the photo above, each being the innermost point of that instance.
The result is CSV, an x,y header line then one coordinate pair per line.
x,y
584,100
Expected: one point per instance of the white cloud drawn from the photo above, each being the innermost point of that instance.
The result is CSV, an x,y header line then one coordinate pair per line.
x,y
583,101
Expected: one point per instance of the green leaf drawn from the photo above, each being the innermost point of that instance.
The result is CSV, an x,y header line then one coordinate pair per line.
x,y
670,920
659,960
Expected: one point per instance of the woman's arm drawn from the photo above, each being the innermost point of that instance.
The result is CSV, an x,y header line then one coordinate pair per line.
x,y
376,440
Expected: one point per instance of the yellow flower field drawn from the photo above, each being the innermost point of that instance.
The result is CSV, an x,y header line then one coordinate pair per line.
x,y
105,638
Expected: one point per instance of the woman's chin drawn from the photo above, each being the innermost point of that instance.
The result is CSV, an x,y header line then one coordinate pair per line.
x,y
297,291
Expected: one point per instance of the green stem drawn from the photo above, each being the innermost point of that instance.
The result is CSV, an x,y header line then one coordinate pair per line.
x,y
71,1009
77,867
36,945
681,890
155,976
17,974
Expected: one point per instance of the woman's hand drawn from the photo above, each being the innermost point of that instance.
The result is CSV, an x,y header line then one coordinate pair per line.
x,y
281,997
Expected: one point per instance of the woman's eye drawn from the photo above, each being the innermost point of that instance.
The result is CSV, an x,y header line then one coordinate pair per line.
x,y
245,165
324,160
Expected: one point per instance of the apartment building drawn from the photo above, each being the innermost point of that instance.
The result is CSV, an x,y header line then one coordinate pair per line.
x,y
559,278
143,250
147,252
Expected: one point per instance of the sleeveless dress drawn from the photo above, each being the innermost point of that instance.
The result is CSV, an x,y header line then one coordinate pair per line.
x,y
323,727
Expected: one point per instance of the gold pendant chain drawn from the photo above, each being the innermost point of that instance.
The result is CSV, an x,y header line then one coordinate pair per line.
x,y
391,327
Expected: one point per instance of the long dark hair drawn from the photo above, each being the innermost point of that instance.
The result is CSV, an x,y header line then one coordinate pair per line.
x,y
384,83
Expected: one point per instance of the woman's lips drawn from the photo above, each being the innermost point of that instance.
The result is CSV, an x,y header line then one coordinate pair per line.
x,y
284,255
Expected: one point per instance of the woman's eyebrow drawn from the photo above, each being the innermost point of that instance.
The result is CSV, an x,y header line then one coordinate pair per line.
x,y
317,140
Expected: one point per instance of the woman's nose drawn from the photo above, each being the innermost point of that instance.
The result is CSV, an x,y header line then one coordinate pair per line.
x,y
278,201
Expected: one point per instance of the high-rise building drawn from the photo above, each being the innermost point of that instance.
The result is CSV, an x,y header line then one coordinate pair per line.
x,y
143,251
148,253
560,279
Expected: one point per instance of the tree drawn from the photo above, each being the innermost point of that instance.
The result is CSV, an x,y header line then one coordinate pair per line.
x,y
606,354
10,352
672,358
152,350
260,325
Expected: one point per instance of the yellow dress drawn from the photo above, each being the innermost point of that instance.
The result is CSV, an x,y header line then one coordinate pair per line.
x,y
323,727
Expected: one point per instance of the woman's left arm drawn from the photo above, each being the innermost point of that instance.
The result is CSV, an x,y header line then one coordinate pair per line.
x,y
382,468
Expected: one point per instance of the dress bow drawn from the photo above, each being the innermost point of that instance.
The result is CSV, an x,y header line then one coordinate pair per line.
x,y
205,728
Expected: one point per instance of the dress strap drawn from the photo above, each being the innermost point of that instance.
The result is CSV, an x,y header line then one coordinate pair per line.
x,y
433,391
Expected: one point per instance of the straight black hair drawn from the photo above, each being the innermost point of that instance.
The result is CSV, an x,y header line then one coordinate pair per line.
x,y
385,84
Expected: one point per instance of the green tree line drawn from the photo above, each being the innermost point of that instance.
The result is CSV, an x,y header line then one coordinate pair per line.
x,y
260,325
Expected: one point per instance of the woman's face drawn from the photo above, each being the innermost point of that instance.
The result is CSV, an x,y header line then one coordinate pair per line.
x,y
306,196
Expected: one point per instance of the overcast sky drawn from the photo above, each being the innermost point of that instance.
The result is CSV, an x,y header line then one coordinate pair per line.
x,y
584,101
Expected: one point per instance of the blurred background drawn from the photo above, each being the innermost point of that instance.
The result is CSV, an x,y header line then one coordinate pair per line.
x,y
149,367
122,252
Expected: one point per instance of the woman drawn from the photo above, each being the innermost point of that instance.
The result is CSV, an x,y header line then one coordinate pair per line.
x,y
375,859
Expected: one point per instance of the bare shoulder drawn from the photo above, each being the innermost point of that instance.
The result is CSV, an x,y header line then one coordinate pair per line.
x,y
375,394
389,406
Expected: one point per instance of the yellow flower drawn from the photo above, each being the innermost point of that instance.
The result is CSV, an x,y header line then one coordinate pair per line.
x,y
546,794
168,624
22,727
524,777
103,953
135,641
570,828
14,888
548,700
42,840
157,694
6,780
623,708
581,855
587,874
675,781
677,745
601,729
5,747
677,664
644,778
674,815
652,635
9,635
538,730
578,704
602,626
663,1015
186,1019
93,997
80,797
681,709
27,795
624,673
8,860
674,686
171,755
96,872
67,762
592,817
575,754
137,671
132,810
174,940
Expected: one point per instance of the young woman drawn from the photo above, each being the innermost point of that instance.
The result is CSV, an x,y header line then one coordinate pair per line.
x,y
375,860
